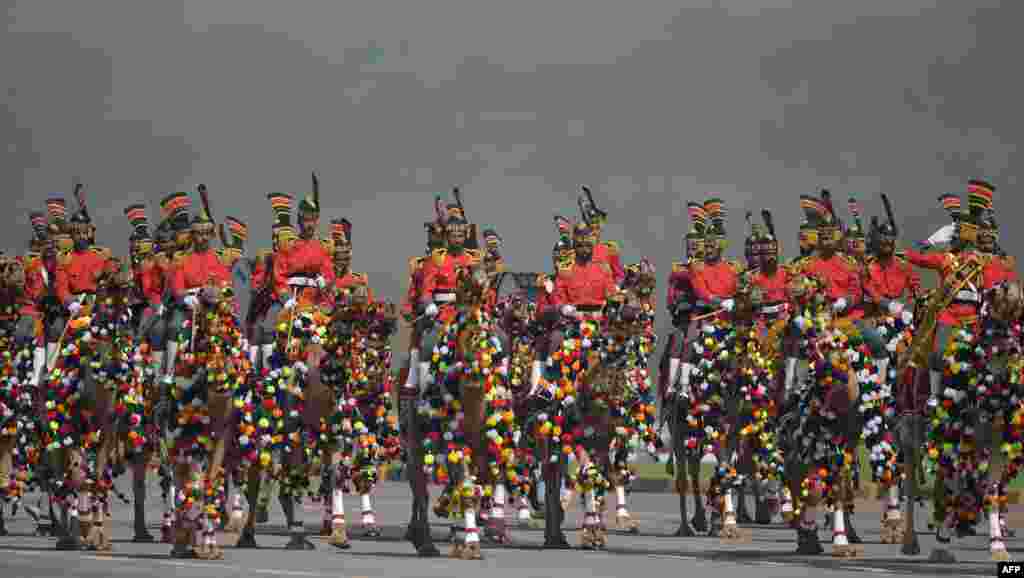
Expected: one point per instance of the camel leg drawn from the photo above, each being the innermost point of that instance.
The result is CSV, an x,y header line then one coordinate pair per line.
x,y
247,539
7,444
419,525
142,534
554,514
339,530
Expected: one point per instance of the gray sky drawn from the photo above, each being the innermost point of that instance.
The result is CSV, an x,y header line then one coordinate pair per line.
x,y
650,103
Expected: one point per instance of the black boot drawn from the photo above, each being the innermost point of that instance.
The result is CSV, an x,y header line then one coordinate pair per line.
x,y
3,525
762,513
700,518
298,540
554,538
742,514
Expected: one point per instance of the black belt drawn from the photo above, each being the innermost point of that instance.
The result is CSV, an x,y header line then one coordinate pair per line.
x,y
589,308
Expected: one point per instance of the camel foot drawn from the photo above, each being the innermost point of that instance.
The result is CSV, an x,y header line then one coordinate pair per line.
x,y
851,531
844,551
262,516
166,535
455,550
942,535
471,552
733,534
626,523
763,513
325,528
557,543
184,553
1000,555
71,542
942,556
685,531
808,543
911,548
247,541
964,530
339,538
142,536
699,521
299,542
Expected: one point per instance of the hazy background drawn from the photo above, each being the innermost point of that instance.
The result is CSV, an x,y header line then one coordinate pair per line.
x,y
650,103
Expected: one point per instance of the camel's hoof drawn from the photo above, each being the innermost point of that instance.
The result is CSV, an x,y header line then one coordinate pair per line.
x,y
559,543
731,533
455,550
166,535
844,551
913,548
4,532
472,552
626,523
247,541
685,531
700,522
744,517
184,553
339,538
763,513
965,530
942,537
810,548
428,550
325,529
1000,555
143,537
262,516
299,543
942,556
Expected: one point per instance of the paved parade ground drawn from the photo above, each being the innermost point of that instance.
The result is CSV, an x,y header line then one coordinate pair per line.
x,y
654,552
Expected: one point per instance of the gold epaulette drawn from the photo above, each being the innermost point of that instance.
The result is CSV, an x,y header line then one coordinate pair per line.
x,y
475,255
736,265
1010,262
613,246
360,278
179,257
565,267
678,266
499,266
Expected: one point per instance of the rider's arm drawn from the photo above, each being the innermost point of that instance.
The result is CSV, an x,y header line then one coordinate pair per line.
x,y
61,283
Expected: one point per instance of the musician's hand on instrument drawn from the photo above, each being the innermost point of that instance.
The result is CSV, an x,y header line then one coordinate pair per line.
x,y
729,304
160,310
321,282
431,310
568,310
290,304
840,305
191,301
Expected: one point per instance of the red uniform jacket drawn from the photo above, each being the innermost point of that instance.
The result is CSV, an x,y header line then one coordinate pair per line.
x,y
945,264
603,253
439,275
196,271
306,257
350,280
774,288
841,281
712,280
412,292
153,279
679,283
545,299
998,270
891,279
28,300
77,273
584,285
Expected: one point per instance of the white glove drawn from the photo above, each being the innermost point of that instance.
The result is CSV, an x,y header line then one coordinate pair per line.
x,y
192,301
74,307
729,304
129,313
839,305
895,308
290,304
431,310
161,310
320,281
568,310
